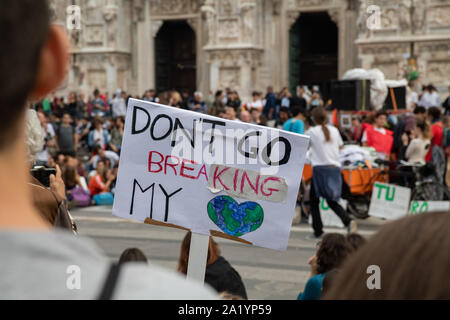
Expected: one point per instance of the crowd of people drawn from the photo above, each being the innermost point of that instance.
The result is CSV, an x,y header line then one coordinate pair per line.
x,y
40,261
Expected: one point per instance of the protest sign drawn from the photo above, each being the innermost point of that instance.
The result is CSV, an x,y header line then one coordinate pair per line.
x,y
418,207
389,201
209,175
329,218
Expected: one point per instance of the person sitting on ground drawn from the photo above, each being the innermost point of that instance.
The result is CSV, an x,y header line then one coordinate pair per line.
x,y
98,136
132,255
332,250
408,258
219,273
102,154
97,184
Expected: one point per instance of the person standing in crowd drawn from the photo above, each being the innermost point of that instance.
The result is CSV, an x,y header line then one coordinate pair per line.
x,y
357,129
72,106
296,123
256,102
150,96
332,250
378,137
437,130
66,136
175,100
197,104
119,105
419,146
98,136
285,96
412,255
230,114
220,275
325,144
98,105
270,107
283,116
245,116
218,105
234,101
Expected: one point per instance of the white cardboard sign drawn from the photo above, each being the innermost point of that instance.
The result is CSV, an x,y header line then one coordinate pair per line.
x,y
389,201
209,175
329,218
419,207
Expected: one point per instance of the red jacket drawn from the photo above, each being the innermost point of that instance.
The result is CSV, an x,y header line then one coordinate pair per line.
x,y
381,142
437,136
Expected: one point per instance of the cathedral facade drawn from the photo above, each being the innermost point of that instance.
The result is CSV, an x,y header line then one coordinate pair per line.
x,y
248,45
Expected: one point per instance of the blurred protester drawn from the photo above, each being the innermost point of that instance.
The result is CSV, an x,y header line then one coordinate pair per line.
x,y
296,123
218,105
282,118
378,137
245,116
99,107
219,273
150,96
256,102
437,130
66,136
98,136
234,101
412,255
357,129
72,105
101,181
332,250
197,104
132,255
102,154
119,107
176,100
270,106
419,146
49,146
316,101
115,142
231,114
327,179
255,116
285,97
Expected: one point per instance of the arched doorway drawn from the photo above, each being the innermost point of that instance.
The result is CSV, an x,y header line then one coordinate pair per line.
x,y
175,55
313,51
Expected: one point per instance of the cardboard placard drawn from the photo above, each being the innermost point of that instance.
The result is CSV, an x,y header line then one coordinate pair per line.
x,y
209,175
389,201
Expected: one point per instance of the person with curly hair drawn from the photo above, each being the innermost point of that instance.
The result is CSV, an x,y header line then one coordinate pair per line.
x,y
332,251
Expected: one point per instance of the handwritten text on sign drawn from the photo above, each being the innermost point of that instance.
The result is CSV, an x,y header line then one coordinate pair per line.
x,y
389,201
208,174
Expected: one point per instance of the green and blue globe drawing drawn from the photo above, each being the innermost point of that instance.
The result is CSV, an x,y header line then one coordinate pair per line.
x,y
235,219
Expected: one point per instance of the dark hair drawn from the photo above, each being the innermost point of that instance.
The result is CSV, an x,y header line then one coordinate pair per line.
x,y
296,110
284,109
434,113
183,260
419,109
333,249
24,27
320,118
380,113
132,255
425,128
412,254
355,240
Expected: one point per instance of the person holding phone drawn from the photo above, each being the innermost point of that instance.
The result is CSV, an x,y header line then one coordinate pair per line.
x,y
49,191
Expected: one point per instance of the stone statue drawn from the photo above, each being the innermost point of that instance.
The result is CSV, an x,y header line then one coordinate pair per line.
x,y
248,20
210,18
110,12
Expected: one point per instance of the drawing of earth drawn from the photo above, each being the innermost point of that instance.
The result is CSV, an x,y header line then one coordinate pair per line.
x,y
235,219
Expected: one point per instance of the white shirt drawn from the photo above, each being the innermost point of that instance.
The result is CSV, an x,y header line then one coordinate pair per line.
x,y
325,153
44,155
111,155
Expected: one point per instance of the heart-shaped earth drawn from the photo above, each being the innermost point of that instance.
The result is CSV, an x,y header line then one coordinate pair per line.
x,y
235,219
